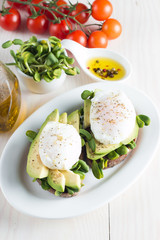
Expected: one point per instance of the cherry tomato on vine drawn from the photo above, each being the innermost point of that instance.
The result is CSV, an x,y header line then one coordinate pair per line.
x,y
97,39
37,25
101,9
62,9
82,16
78,36
112,28
36,8
17,5
11,21
60,30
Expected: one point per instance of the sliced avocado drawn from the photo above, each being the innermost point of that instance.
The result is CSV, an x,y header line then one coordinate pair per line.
x,y
73,119
132,136
72,179
87,107
35,167
56,180
63,118
102,150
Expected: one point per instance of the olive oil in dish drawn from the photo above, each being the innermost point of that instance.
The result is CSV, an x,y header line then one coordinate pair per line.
x,y
10,98
106,68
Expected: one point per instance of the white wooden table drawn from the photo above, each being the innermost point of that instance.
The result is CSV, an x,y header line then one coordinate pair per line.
x,y
136,213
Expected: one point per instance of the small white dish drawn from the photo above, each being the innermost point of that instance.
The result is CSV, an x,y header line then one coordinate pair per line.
x,y
83,54
28,197
42,86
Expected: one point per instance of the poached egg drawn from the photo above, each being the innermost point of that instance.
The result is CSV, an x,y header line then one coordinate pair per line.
x,y
59,146
112,117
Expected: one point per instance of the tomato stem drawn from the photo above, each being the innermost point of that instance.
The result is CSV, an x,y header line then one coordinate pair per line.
x,y
45,5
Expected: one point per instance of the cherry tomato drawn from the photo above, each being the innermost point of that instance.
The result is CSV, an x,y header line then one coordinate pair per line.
x,y
78,36
36,8
82,17
101,9
60,30
112,28
10,22
17,5
38,25
97,39
62,9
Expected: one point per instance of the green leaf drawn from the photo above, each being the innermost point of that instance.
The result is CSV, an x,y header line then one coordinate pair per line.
x,y
37,77
31,135
84,167
51,59
92,144
85,133
13,55
32,39
57,72
70,191
101,163
81,174
57,193
85,94
145,119
69,60
139,122
45,184
113,155
82,142
7,44
96,171
18,42
77,70
40,49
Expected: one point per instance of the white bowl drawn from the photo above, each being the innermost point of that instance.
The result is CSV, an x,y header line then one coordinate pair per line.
x,y
42,86
83,55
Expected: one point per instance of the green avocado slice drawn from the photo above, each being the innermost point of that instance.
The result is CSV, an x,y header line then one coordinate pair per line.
x,y
56,180
72,179
74,119
63,118
35,167
102,150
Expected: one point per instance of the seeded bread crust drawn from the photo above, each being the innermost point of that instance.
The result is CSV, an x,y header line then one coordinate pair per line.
x,y
51,190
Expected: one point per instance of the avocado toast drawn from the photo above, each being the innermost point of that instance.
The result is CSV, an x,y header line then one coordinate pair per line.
x,y
111,144
65,180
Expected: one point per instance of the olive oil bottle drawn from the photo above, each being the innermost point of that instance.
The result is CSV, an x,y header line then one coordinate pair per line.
x,y
10,98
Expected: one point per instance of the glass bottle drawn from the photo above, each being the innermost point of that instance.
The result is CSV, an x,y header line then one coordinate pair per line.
x,y
10,98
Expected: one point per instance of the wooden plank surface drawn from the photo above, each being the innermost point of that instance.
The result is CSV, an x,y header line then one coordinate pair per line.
x,y
134,214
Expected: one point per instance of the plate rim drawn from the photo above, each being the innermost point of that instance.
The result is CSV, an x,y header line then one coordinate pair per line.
x,y
119,192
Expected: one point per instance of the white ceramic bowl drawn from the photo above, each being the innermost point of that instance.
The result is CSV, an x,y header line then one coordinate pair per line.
x,y
83,54
42,86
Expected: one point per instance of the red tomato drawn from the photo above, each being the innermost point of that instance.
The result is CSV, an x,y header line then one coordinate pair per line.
x,y
101,9
112,28
78,36
10,22
38,25
97,39
60,30
36,8
82,17
62,9
17,5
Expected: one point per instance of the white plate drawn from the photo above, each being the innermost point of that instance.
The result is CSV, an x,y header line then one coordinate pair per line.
x,y
29,198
